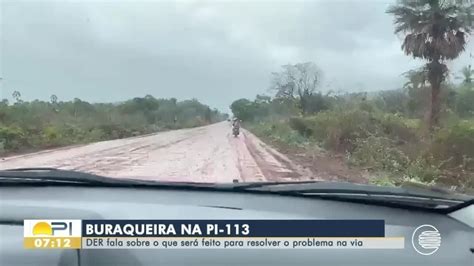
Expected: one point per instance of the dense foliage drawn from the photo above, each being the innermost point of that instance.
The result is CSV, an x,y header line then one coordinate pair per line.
x,y
39,124
384,132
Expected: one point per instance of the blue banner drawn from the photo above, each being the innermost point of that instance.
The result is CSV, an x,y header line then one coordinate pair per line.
x,y
233,228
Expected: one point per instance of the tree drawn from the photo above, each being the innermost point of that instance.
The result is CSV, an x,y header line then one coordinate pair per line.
x,y
208,115
416,79
464,102
297,82
243,109
17,96
467,75
393,101
53,99
262,99
417,90
436,31
317,102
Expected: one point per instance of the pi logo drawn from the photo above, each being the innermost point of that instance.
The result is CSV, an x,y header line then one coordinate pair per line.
x,y
43,228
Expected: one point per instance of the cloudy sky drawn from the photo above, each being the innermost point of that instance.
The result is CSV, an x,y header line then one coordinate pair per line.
x,y
216,51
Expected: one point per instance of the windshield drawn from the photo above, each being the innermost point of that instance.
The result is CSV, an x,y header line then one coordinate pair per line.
x,y
241,91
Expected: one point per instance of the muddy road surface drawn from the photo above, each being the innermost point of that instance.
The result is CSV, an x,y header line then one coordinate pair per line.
x,y
204,154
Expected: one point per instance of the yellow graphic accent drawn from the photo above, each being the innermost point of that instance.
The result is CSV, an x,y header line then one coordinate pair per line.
x,y
42,228
52,242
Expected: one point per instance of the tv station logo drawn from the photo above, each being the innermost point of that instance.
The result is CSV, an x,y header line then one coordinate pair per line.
x,y
52,228
426,239
52,233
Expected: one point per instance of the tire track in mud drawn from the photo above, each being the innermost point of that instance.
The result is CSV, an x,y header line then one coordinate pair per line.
x,y
274,165
247,166
271,171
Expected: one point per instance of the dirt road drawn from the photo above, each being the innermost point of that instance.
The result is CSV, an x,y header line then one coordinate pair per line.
x,y
204,154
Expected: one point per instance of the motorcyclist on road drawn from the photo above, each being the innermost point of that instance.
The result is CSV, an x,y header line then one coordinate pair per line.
x,y
236,122
236,126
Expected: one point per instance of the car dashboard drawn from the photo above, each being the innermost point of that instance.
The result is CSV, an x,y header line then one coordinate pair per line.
x,y
70,202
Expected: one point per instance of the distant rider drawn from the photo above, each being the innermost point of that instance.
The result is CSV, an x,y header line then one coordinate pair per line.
x,y
236,127
236,122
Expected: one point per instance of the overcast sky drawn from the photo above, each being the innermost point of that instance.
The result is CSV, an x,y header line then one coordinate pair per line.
x,y
216,51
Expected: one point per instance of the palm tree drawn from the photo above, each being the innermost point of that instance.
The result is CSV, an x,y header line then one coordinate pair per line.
x,y
467,75
417,90
436,31
416,79
54,101
53,98
17,96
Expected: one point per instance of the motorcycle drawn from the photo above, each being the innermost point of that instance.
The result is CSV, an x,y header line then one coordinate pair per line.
x,y
235,131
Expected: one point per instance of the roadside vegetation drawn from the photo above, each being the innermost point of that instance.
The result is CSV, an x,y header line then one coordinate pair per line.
x,y
420,133
29,126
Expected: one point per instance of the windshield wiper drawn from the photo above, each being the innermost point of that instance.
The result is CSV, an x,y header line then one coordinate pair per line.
x,y
314,187
348,192
53,176
425,198
47,175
